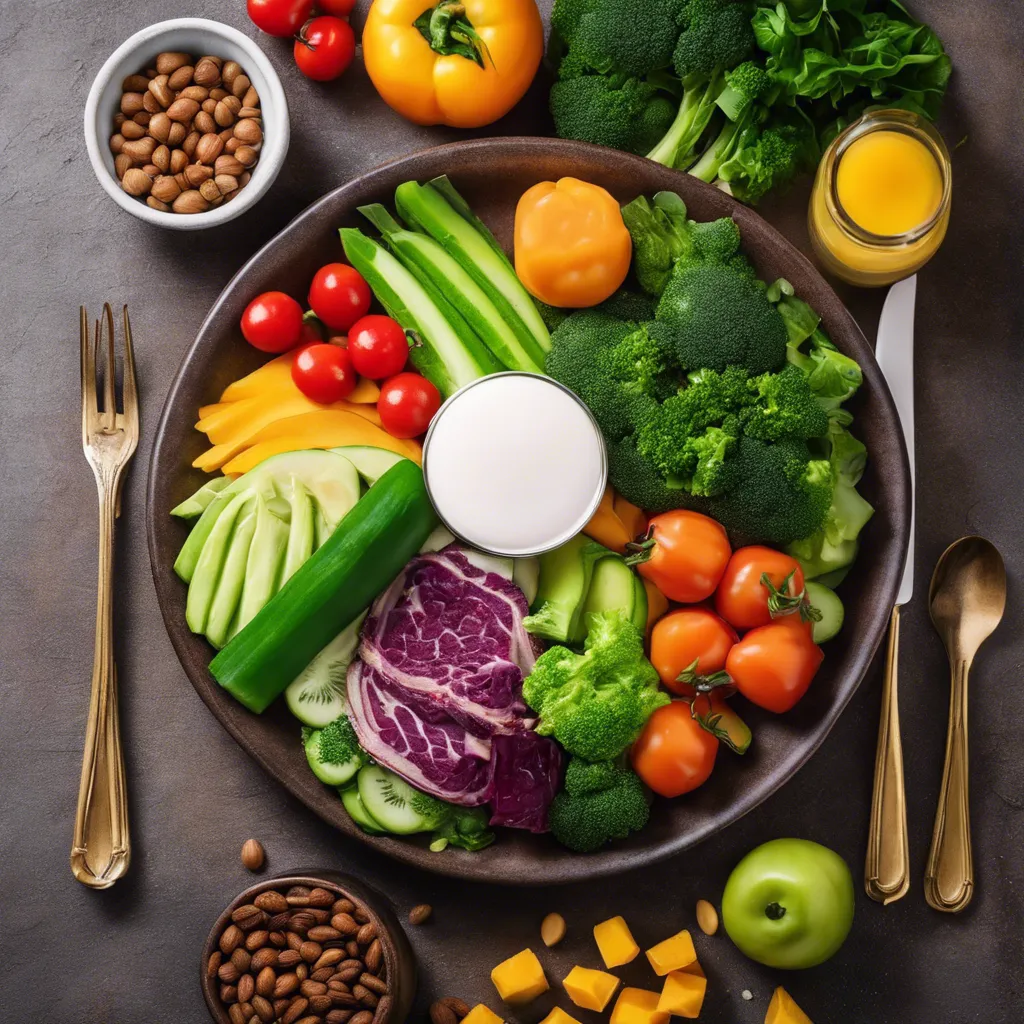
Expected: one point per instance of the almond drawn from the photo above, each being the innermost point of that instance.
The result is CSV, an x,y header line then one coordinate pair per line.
x,y
707,917
552,929
131,103
207,72
442,1014
135,83
190,202
229,72
162,91
272,902
160,127
204,123
249,131
208,148
130,130
195,92
162,158
179,80
264,1009
169,62
179,161
117,141
240,85
183,110
251,98
209,191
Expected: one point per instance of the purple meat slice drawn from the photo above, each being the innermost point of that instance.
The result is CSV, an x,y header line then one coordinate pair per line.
x,y
527,774
432,752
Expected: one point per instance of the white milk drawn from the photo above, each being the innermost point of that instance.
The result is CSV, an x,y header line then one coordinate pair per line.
x,y
514,464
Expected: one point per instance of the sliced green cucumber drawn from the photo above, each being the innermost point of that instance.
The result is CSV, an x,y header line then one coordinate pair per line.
x,y
232,578
196,504
263,570
358,813
332,774
526,575
391,801
827,602
317,696
612,588
439,538
371,463
565,575
207,571
639,604
301,532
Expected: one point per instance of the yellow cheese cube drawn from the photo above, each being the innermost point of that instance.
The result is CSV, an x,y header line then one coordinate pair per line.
x,y
558,1016
589,989
481,1014
673,954
683,994
520,978
637,1006
782,1010
615,942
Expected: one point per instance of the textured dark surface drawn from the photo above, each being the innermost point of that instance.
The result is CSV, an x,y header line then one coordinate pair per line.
x,y
129,956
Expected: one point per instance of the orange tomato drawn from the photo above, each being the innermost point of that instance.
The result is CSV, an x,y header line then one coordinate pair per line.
x,y
742,599
684,556
690,639
674,753
572,249
773,665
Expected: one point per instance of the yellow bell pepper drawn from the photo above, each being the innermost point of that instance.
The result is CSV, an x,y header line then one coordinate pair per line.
x,y
783,1010
463,63
572,248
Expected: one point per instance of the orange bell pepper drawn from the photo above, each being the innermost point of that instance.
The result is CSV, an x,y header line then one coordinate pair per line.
x,y
605,526
463,63
572,247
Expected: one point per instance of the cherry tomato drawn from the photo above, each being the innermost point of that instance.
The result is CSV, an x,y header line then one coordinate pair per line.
x,y
407,404
684,556
339,8
378,346
339,295
324,373
773,665
280,17
690,635
742,599
272,322
325,48
674,753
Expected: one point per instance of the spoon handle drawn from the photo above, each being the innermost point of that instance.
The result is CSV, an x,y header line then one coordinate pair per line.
x,y
887,865
949,877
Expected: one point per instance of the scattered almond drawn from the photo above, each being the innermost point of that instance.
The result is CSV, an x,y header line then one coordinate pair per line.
x,y
420,914
552,929
707,917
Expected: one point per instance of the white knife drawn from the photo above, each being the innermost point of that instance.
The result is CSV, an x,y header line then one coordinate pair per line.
x,y
887,866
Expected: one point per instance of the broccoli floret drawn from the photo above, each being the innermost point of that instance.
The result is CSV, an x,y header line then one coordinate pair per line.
x,y
785,406
706,459
600,802
719,316
832,376
338,743
595,703
464,827
624,36
777,492
566,15
661,234
641,363
767,158
640,483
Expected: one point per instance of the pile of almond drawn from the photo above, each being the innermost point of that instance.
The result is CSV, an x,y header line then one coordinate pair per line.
x,y
188,133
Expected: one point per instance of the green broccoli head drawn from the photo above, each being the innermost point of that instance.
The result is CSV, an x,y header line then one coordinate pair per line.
x,y
719,316
707,458
624,36
464,827
642,363
338,743
717,35
636,479
596,703
784,407
769,158
744,85
600,802
661,234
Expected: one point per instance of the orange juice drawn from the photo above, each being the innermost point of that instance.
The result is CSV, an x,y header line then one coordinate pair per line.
x,y
880,204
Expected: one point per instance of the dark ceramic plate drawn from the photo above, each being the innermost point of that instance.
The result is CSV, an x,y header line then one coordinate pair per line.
x,y
492,174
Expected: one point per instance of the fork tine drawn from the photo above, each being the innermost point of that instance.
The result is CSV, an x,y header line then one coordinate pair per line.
x,y
109,372
129,394
88,376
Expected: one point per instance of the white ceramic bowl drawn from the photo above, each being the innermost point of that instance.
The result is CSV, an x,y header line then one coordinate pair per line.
x,y
197,36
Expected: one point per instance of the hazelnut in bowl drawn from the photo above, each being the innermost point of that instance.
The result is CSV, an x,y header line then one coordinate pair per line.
x,y
186,124
318,946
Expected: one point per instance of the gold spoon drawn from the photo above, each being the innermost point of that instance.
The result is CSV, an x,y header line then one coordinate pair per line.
x,y
966,600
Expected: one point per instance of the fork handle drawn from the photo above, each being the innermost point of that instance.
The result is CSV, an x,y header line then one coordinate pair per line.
x,y
949,876
101,849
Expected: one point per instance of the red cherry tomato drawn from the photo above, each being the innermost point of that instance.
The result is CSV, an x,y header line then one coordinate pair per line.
x,y
378,346
686,636
339,8
773,665
280,17
272,322
339,296
674,753
407,404
742,599
325,48
685,555
324,373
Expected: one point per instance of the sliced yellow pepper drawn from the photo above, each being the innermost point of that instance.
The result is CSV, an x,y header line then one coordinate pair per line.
x,y
463,63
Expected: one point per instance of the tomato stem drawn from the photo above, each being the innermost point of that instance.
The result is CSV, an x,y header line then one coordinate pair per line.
x,y
782,602
642,550
775,911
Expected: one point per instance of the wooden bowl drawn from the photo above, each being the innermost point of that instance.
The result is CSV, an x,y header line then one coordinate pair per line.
x,y
492,174
399,959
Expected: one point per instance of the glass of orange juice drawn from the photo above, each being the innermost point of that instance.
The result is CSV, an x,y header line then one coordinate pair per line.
x,y
880,204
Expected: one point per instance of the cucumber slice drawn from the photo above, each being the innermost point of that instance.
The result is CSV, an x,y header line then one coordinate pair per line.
x,y
317,696
489,563
827,602
439,538
358,813
263,570
302,531
232,579
612,588
371,463
565,575
526,575
332,774
210,564
391,801
196,505
640,608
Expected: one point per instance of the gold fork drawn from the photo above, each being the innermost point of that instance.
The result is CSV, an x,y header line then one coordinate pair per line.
x,y
102,849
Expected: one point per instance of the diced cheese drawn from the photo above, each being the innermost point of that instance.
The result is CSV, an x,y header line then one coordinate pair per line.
x,y
615,942
673,954
637,1006
520,978
558,1016
683,994
782,1010
481,1014
591,990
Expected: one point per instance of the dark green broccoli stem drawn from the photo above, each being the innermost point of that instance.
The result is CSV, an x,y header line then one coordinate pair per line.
x,y
678,147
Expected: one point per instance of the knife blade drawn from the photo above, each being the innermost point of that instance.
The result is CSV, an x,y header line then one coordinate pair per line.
x,y
894,352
